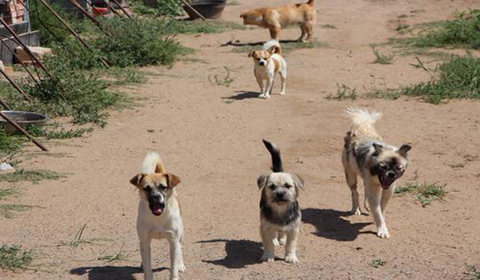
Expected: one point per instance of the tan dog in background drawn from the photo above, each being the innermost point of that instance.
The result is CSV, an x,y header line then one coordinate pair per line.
x,y
158,214
365,154
277,18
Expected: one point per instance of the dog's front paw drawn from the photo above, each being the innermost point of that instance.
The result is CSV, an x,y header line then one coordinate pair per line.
x,y
182,268
264,96
383,232
356,211
275,242
267,257
291,258
283,93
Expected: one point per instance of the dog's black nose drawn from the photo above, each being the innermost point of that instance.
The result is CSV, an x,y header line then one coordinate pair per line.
x,y
262,63
156,196
390,174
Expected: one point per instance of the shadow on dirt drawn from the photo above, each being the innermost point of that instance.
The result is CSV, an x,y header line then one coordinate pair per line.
x,y
237,43
243,95
329,224
110,272
240,253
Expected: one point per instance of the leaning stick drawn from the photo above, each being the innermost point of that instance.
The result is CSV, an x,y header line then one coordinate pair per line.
x,y
195,11
19,128
121,8
25,95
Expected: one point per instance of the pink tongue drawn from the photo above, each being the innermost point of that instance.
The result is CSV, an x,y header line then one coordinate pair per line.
x,y
157,210
386,183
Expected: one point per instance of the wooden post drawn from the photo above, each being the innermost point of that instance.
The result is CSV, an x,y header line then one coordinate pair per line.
x,y
19,128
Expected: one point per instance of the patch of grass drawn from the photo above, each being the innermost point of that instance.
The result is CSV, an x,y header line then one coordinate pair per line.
x,y
30,175
77,238
201,26
127,76
7,210
120,256
9,145
457,78
376,263
425,193
286,47
402,27
464,30
160,8
222,81
456,165
14,258
387,94
471,272
343,93
332,26
37,131
7,192
403,16
382,58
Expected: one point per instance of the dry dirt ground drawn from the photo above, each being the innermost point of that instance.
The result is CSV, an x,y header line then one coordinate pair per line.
x,y
210,136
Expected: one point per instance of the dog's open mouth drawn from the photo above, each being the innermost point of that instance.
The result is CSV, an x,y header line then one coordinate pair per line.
x,y
385,181
157,208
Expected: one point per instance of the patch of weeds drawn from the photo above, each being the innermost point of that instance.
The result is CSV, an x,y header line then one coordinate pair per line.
x,y
127,76
222,81
78,240
14,258
456,165
37,131
382,58
464,30
9,145
457,78
425,193
120,256
402,27
387,94
332,26
403,16
471,272
201,26
343,93
7,210
376,263
286,47
159,8
30,175
7,192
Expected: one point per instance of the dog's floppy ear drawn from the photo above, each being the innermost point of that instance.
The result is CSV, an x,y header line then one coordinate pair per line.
x,y
261,181
172,180
378,148
137,179
404,149
250,54
298,181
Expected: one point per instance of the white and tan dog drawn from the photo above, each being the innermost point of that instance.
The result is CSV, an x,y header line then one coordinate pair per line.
x,y
365,154
268,62
280,215
158,214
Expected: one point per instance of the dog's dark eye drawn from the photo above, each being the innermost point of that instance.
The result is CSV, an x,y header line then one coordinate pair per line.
x,y
287,186
271,187
147,188
162,187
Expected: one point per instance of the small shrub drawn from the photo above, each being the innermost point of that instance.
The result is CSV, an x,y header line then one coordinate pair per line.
x,y
343,93
57,134
381,58
30,175
13,257
425,193
471,272
222,81
201,26
376,263
9,145
160,8
7,210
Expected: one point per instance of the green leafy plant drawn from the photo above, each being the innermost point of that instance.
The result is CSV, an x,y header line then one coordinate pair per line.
x,y
343,93
376,263
30,175
7,210
425,193
159,8
222,81
14,258
382,58
471,272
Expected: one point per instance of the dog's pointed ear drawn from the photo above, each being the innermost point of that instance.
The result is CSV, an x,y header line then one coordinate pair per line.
x,y
378,148
404,149
261,181
298,181
137,179
172,180
250,54
272,50
160,168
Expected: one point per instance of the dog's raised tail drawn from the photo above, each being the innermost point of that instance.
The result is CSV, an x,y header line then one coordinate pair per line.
x,y
275,153
362,119
152,163
272,46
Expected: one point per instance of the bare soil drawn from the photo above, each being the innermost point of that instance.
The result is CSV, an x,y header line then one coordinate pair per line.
x,y
210,135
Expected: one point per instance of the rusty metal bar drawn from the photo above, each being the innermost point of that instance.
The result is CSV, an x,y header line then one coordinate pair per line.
x,y
12,82
75,34
5,105
121,8
21,62
94,20
19,128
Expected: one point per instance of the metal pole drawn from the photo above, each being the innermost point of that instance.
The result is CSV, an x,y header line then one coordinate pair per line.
x,y
75,34
27,97
82,10
5,105
19,128
121,8
25,47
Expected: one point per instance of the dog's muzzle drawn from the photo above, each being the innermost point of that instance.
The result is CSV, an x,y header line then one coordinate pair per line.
x,y
157,204
280,198
262,63
387,179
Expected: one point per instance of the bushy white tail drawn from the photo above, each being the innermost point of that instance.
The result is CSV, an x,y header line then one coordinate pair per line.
x,y
272,44
150,162
362,119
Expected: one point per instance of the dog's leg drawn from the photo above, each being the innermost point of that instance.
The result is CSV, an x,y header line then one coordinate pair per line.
x,y
146,258
176,259
283,77
386,195
309,28
262,88
351,177
280,239
374,194
268,234
269,86
303,28
291,247
274,31
365,204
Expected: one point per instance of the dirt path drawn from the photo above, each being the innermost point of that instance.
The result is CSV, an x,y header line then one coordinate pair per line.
x,y
211,135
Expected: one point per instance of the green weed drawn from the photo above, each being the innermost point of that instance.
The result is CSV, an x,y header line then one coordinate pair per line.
x,y
34,176
332,26
343,93
376,263
7,210
471,272
14,258
222,81
201,26
160,8
381,58
37,131
7,192
387,94
425,193
402,27
120,256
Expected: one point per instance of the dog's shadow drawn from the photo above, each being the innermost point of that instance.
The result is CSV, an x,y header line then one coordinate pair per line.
x,y
237,43
329,224
110,272
240,253
243,95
